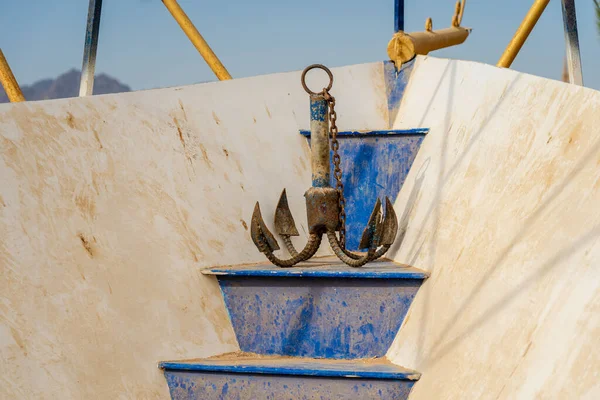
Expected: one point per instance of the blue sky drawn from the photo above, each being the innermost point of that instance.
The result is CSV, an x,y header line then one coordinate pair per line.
x,y
141,45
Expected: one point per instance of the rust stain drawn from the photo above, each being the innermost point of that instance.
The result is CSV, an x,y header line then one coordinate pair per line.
x,y
97,138
268,112
2,203
183,143
86,245
95,177
109,287
86,204
216,118
223,222
183,110
226,177
180,132
205,155
239,165
216,244
526,350
459,254
35,121
244,224
254,119
18,340
574,137
377,78
230,227
576,134
179,218
302,163
147,124
70,120
298,170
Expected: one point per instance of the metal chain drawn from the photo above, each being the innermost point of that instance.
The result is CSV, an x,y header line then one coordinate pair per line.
x,y
337,171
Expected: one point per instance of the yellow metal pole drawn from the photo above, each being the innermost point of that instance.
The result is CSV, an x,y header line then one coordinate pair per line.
x,y
404,46
462,11
522,33
8,81
197,40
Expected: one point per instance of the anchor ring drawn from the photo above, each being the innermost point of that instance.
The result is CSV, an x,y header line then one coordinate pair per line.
x,y
319,66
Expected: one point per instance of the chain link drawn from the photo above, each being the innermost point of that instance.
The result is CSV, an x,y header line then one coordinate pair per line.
x,y
337,170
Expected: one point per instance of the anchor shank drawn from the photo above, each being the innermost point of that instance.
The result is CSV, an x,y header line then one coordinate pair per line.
x,y
319,141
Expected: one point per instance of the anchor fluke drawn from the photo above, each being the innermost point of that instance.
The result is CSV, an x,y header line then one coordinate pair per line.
x,y
372,232
261,236
390,224
267,244
284,221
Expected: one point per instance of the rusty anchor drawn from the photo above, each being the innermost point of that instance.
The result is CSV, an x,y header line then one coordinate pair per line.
x,y
324,204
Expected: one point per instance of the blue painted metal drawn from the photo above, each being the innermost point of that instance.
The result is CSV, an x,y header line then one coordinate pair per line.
x,y
336,317
379,133
318,108
242,363
212,386
374,166
398,15
250,376
395,85
324,267
321,172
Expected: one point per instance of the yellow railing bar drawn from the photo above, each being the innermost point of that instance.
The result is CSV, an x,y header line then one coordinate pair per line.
x,y
197,40
8,81
459,10
522,33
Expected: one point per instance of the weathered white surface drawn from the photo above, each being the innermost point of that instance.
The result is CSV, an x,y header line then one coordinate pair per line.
x,y
109,207
501,207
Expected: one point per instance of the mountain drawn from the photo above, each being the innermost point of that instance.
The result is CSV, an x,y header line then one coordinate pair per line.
x,y
67,85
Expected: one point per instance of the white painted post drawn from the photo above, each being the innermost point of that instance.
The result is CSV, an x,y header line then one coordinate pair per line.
x,y
86,87
572,42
